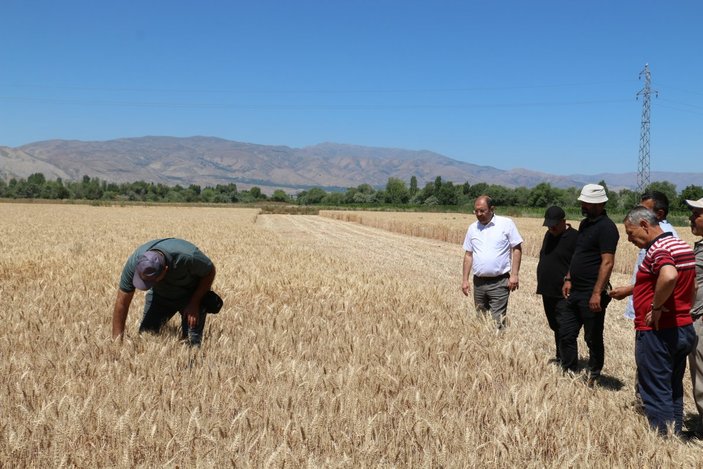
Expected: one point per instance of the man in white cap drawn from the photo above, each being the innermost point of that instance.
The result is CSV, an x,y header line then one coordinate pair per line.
x,y
695,359
178,277
585,285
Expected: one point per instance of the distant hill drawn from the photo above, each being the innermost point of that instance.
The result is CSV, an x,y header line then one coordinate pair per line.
x,y
208,161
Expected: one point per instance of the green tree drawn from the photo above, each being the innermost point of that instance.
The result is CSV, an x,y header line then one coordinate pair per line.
x,y
691,192
427,191
37,178
333,198
447,194
501,196
542,195
279,195
477,189
668,189
437,184
396,192
627,199
413,186
312,196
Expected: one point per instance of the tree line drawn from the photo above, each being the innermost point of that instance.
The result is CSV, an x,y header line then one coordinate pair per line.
x,y
396,192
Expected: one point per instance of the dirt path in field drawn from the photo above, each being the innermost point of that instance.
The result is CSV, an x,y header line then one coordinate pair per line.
x,y
363,243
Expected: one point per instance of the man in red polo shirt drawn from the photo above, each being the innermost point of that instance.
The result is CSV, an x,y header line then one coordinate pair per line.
x,y
662,296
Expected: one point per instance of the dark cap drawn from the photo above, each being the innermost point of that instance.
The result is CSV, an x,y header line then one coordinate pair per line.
x,y
149,267
553,216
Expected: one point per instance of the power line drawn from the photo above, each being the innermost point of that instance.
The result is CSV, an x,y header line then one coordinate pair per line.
x,y
305,106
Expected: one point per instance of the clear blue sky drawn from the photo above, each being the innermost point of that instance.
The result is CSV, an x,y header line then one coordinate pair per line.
x,y
544,85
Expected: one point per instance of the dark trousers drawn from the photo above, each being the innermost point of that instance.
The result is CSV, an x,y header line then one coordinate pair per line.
x,y
554,308
158,311
577,314
661,363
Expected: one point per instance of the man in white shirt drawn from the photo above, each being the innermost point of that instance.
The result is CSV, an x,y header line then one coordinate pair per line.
x,y
493,250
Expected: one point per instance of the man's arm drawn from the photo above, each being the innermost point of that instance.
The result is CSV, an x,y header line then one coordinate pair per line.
x,y
607,260
516,258
192,310
468,263
566,286
666,282
620,293
119,315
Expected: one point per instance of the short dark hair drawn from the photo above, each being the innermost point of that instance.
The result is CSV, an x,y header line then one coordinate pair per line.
x,y
661,201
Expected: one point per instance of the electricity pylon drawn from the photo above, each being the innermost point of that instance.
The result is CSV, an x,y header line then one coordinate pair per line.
x,y
643,165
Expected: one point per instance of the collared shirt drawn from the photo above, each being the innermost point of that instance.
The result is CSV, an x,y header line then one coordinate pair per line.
x,y
697,308
629,307
491,245
676,312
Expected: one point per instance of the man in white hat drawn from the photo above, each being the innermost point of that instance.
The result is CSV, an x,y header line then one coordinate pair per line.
x,y
586,283
695,359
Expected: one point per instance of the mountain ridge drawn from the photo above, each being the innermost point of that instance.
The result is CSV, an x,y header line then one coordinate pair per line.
x,y
208,161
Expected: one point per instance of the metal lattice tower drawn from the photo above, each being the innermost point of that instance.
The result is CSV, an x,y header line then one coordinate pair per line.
x,y
643,165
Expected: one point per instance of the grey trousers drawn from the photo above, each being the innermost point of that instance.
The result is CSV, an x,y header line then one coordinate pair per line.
x,y
491,295
695,362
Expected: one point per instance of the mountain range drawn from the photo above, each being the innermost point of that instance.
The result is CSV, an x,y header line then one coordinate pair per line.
x,y
208,161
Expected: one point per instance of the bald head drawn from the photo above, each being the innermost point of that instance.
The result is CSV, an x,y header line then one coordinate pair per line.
x,y
483,209
484,199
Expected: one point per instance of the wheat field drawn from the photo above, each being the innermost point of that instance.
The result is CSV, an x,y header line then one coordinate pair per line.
x,y
339,345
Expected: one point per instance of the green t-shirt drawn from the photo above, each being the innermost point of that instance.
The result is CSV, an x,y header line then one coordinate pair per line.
x,y
186,266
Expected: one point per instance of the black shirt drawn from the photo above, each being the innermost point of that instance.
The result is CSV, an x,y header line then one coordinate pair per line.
x,y
554,259
596,237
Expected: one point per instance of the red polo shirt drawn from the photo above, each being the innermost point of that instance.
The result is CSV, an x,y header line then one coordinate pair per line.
x,y
665,250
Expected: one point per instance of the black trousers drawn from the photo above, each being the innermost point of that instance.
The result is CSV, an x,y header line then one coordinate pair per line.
x,y
554,308
158,311
578,314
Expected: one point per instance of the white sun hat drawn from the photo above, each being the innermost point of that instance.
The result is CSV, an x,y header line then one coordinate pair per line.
x,y
593,194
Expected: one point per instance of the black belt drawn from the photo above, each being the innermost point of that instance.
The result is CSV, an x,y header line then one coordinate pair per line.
x,y
497,277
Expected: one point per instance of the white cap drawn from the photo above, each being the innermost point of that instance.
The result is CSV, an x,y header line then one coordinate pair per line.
x,y
593,194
